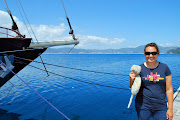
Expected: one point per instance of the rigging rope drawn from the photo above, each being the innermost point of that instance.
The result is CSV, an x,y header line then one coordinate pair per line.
x,y
14,26
71,30
76,69
80,80
64,9
44,65
23,19
71,49
32,32
70,67
27,20
36,92
72,78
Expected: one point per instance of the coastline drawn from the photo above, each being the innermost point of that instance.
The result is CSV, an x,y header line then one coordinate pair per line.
x,y
106,53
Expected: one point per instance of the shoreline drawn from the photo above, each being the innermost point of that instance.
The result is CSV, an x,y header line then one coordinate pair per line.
x,y
110,53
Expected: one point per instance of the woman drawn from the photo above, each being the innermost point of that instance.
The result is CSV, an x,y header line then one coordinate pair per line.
x,y
156,84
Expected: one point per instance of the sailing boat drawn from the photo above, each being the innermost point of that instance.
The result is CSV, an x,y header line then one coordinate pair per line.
x,y
19,46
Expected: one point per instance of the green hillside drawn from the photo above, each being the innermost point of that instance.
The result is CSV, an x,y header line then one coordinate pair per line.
x,y
174,51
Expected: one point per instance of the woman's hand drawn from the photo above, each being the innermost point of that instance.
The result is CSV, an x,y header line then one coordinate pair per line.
x,y
169,114
132,76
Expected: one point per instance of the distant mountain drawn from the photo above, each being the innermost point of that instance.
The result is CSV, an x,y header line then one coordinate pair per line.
x,y
174,51
137,50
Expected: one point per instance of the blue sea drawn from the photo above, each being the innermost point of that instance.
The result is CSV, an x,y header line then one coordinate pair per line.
x,y
76,99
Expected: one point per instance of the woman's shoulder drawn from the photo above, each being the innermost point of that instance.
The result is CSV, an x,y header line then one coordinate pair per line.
x,y
141,64
165,67
162,64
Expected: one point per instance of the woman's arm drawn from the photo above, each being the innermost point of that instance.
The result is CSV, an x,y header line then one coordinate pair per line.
x,y
132,76
169,93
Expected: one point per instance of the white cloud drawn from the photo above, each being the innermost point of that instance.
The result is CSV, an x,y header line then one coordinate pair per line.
x,y
178,40
94,42
166,45
5,20
50,33
42,32
60,32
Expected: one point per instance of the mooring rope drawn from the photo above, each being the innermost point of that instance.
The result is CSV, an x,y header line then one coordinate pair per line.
x,y
71,77
21,62
80,80
36,92
77,68
69,67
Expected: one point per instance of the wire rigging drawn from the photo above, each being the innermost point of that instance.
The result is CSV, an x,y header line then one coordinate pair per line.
x,y
14,26
27,20
71,49
23,19
71,30
21,62
84,81
80,80
74,69
70,67
33,34
71,77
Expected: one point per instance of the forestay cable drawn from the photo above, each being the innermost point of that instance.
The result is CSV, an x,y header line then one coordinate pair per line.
x,y
27,20
71,30
23,20
33,34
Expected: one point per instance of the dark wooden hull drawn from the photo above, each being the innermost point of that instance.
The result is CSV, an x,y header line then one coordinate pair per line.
x,y
10,44
17,47
19,63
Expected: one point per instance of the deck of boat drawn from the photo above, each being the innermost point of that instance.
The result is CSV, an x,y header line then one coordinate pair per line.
x,y
176,105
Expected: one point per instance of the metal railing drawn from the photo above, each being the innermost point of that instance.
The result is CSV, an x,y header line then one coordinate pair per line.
x,y
6,33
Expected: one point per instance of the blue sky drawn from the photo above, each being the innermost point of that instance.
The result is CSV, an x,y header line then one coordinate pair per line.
x,y
101,24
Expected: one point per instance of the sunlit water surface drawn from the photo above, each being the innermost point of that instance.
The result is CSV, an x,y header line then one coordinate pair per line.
x,y
77,100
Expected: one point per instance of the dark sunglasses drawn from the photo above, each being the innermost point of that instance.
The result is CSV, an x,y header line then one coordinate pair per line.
x,y
153,53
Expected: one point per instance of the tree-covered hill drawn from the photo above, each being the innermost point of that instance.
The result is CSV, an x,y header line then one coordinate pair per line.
x,y
174,51
136,50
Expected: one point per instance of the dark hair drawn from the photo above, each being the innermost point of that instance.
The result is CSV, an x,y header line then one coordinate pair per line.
x,y
152,45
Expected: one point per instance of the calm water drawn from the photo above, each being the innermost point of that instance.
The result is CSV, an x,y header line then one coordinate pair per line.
x,y
77,100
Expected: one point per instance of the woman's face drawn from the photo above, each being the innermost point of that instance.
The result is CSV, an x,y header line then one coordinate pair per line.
x,y
150,54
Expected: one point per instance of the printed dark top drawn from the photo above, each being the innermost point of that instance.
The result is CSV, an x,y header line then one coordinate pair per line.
x,y
152,94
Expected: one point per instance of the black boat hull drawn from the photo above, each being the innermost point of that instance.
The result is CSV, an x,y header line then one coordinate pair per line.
x,y
19,64
10,44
